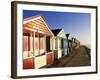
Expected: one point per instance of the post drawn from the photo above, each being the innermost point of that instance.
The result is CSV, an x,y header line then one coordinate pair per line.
x,y
31,42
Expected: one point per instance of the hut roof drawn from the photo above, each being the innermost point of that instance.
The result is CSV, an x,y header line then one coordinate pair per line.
x,y
56,31
37,23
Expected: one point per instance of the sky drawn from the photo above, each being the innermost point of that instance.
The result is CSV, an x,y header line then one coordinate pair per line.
x,y
78,25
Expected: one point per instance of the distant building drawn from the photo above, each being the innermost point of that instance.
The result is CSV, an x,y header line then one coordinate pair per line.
x,y
37,43
78,43
75,43
60,41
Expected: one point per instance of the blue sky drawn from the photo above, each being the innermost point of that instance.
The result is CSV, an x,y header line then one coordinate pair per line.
x,y
76,24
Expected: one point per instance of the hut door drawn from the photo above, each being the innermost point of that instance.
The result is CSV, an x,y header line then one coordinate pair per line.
x,y
62,43
47,44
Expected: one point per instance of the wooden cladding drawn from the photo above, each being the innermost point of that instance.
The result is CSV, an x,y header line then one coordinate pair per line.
x,y
26,43
50,57
34,42
39,25
28,63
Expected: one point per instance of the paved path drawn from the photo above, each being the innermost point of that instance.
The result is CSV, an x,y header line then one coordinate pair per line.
x,y
79,57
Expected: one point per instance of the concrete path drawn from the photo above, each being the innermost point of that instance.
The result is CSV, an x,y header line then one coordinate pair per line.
x,y
79,57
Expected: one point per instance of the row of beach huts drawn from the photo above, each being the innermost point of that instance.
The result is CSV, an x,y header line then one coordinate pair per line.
x,y
42,46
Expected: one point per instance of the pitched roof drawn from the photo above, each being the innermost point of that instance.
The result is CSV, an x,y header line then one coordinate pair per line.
x,y
56,31
37,23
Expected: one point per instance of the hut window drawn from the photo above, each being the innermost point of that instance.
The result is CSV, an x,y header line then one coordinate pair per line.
x,y
41,41
39,44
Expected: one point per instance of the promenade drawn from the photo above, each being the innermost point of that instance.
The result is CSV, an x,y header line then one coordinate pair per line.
x,y
79,57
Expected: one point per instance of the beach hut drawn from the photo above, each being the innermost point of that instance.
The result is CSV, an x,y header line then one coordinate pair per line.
x,y
69,45
60,40
37,43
